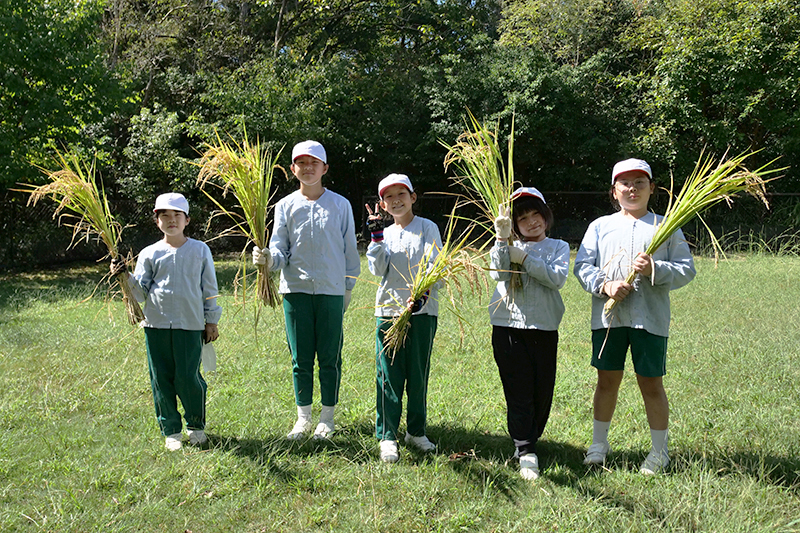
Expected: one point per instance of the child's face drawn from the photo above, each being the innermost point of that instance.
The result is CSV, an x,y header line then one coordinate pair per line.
x,y
632,190
308,169
172,223
532,226
397,200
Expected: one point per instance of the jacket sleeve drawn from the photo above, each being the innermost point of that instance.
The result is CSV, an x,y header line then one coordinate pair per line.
x,y
212,311
553,274
433,244
279,243
590,276
679,269
378,258
351,258
499,262
142,278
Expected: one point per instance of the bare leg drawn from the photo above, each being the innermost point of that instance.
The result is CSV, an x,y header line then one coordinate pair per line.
x,y
656,404
605,395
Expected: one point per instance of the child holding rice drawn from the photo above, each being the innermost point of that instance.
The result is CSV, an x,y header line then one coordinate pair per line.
x,y
525,314
395,254
611,248
313,244
176,278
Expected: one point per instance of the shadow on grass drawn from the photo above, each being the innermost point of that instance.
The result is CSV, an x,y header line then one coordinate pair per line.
x,y
487,459
782,472
271,452
19,289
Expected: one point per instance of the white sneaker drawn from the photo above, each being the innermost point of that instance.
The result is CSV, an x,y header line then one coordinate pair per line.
x,y
300,429
529,466
197,437
389,453
422,443
655,462
324,430
596,454
174,442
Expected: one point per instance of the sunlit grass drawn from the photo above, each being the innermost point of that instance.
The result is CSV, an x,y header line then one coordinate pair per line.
x,y
80,449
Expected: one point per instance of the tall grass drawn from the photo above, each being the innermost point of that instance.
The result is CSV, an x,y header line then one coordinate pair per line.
x,y
81,450
83,206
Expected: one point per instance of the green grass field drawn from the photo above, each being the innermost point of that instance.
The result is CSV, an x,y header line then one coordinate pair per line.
x,y
80,450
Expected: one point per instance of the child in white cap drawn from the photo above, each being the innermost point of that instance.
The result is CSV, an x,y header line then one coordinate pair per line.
x,y
313,244
175,278
612,247
525,314
396,253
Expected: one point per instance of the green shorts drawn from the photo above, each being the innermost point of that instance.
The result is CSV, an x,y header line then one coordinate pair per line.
x,y
648,351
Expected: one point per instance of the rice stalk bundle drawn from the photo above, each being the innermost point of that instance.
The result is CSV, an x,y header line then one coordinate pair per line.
x,y
487,180
710,183
245,170
83,206
452,264
480,169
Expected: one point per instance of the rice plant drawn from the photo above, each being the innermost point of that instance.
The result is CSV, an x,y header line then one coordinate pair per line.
x,y
710,183
453,264
246,170
488,181
83,206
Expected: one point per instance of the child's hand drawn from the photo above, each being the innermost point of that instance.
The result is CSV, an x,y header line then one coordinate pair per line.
x,y
502,224
617,290
374,218
118,266
375,223
643,264
211,333
516,255
415,305
261,258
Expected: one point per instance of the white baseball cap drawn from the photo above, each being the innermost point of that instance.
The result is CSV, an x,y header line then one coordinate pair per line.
x,y
172,200
628,165
394,179
312,148
528,191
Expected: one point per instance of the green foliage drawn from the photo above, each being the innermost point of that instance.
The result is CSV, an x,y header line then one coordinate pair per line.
x,y
724,74
567,125
53,82
567,32
144,84
153,163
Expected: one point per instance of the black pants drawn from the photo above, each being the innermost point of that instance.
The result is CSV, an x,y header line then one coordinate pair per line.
x,y
526,359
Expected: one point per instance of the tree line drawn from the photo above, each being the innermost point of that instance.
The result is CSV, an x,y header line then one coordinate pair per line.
x,y
143,84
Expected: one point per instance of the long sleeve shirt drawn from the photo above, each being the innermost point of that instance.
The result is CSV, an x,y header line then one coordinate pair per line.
x,y
536,303
397,258
313,244
610,245
177,285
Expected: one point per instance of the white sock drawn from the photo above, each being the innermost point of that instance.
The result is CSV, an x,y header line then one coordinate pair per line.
x,y
600,432
304,412
327,414
660,438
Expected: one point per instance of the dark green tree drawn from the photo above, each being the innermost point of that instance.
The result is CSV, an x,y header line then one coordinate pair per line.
x,y
53,81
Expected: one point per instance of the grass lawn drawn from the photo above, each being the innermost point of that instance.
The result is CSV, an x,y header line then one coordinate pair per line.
x,y
80,450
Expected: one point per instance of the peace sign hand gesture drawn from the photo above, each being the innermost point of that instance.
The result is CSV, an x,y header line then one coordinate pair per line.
x,y
374,219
